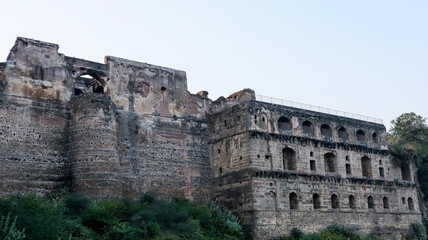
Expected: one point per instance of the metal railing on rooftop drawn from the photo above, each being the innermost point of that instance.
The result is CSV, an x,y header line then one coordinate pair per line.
x,y
288,103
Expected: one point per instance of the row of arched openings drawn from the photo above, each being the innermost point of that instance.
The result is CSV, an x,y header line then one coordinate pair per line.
x,y
334,201
330,162
284,124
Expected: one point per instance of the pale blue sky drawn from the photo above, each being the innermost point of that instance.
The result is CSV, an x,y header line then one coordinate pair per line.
x,y
366,57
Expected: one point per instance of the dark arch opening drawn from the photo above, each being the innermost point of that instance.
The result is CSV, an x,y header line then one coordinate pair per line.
x,y
370,202
334,201
330,162
294,202
343,134
361,136
375,137
88,83
405,172
316,201
352,204
366,166
385,203
308,127
284,124
410,203
289,159
326,130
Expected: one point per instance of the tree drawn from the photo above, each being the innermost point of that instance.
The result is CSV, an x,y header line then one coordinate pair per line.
x,y
409,127
408,139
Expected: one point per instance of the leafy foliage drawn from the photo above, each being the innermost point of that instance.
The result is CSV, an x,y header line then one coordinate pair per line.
x,y
8,229
332,232
408,139
417,231
76,217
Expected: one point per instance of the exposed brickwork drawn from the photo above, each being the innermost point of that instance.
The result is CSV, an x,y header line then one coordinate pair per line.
x,y
123,128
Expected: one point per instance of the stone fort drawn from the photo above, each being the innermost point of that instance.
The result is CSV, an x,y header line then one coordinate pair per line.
x,y
123,128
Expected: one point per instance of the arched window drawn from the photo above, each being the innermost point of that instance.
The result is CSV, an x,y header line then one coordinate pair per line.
x,y
385,203
343,134
308,127
410,203
375,137
352,204
405,172
370,202
294,203
403,200
366,166
361,136
284,124
264,123
164,93
326,130
289,159
334,201
88,84
316,201
330,162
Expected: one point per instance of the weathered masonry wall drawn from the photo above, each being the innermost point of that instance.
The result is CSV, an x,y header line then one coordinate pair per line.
x,y
308,170
115,129
122,128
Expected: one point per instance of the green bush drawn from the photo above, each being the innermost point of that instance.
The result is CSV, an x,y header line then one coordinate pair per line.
x,y
8,229
417,231
73,216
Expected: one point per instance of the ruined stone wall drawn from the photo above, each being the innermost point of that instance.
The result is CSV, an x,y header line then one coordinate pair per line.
x,y
122,128
32,145
325,161
116,129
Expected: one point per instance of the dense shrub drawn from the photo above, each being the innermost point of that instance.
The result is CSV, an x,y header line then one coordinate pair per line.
x,y
73,216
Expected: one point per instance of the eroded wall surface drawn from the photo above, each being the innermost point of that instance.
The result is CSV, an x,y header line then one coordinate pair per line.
x,y
116,129
296,172
123,128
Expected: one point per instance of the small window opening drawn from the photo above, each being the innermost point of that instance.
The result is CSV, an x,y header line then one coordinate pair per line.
x,y
361,136
255,118
370,202
343,134
348,169
352,204
289,159
381,172
380,162
347,158
164,93
326,130
385,203
311,154
410,203
330,162
334,201
403,200
316,201
308,127
375,138
294,203
405,172
366,166
220,170
284,124
312,165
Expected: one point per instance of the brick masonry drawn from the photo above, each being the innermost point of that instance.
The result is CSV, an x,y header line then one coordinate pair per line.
x,y
123,128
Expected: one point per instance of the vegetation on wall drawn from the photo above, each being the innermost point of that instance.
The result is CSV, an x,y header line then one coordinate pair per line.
x,y
408,141
76,217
